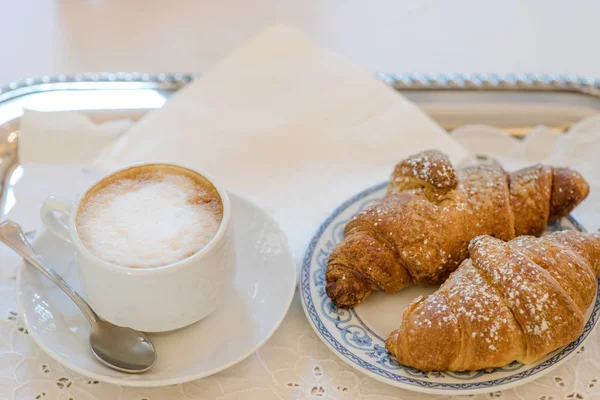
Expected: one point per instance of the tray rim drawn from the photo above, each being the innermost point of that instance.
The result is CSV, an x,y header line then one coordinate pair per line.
x,y
586,86
520,82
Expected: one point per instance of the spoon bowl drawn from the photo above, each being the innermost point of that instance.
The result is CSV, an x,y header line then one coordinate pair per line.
x,y
123,349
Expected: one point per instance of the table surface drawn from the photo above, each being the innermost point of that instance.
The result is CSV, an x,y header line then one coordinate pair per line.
x,y
40,37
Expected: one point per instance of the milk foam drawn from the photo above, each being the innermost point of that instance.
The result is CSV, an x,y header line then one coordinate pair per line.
x,y
149,222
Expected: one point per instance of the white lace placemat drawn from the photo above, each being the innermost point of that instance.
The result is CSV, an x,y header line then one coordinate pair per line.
x,y
293,364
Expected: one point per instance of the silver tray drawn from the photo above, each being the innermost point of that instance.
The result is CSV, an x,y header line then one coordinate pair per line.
x,y
513,102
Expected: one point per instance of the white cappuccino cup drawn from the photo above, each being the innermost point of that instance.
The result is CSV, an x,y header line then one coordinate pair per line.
x,y
144,270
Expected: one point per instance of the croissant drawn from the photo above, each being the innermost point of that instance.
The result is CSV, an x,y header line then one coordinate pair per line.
x,y
419,232
510,301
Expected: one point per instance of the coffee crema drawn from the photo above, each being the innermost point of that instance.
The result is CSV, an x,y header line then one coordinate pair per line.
x,y
149,216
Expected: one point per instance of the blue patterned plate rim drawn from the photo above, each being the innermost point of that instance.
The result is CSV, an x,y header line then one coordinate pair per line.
x,y
349,356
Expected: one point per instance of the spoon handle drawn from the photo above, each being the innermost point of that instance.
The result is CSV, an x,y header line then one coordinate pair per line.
x,y
12,235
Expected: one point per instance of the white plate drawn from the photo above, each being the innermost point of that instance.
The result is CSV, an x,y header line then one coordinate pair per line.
x,y
358,336
263,291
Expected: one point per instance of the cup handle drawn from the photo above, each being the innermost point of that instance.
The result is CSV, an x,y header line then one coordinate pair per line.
x,y
53,206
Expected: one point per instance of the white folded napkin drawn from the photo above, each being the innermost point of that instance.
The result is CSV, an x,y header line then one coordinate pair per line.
x,y
287,124
64,137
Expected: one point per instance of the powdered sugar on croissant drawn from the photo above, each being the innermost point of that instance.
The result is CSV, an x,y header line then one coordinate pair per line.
x,y
419,232
510,301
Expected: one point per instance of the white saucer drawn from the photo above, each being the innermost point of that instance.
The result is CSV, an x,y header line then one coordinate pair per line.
x,y
263,292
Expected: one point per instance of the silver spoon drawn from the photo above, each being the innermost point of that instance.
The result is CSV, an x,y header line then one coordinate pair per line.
x,y
123,349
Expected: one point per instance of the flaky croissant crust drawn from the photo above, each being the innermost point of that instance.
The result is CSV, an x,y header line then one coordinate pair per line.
x,y
419,232
509,301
